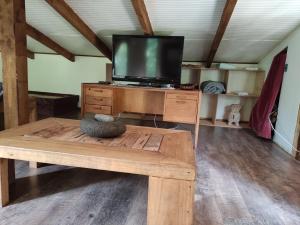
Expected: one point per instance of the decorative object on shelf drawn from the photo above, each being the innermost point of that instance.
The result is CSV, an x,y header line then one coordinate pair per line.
x,y
226,66
102,126
188,86
213,87
234,115
104,82
252,68
241,93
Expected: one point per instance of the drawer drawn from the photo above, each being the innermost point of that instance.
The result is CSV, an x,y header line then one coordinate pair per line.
x,y
98,100
99,92
180,110
188,96
98,109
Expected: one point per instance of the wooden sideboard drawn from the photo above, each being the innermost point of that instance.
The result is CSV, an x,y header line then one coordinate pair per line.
x,y
174,105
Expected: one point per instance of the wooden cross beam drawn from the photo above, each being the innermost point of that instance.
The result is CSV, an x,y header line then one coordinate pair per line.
x,y
142,14
30,54
227,13
69,14
39,36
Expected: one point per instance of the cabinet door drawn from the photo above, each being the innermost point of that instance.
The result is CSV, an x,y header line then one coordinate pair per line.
x,y
184,111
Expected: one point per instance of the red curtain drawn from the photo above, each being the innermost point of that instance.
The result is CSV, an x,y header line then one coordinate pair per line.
x,y
259,120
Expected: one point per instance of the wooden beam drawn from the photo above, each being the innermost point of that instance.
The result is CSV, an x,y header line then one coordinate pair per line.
x,y
227,13
69,14
39,36
30,54
15,72
14,61
142,14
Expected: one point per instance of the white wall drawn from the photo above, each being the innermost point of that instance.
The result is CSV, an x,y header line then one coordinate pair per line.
x,y
290,92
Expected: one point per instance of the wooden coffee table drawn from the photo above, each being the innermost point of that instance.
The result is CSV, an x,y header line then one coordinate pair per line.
x,y
165,156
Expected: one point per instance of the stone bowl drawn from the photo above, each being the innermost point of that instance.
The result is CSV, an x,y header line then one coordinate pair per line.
x,y
102,129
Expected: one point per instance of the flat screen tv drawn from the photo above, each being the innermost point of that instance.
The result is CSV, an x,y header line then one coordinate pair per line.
x,y
148,59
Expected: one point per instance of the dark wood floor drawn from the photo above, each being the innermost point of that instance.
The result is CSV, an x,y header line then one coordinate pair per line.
x,y
241,180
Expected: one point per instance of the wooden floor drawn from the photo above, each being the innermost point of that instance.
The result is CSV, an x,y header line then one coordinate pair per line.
x,y
241,180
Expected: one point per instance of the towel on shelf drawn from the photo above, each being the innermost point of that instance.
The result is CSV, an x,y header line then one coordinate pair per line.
x,y
213,87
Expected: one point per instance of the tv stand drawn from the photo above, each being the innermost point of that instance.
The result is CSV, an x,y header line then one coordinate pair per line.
x,y
154,85
174,105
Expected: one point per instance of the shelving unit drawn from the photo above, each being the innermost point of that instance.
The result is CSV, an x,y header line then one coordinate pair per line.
x,y
214,107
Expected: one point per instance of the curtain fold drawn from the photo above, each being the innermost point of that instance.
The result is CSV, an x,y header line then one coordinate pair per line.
x,y
259,120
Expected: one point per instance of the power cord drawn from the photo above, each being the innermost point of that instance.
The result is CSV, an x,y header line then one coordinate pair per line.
x,y
154,120
281,136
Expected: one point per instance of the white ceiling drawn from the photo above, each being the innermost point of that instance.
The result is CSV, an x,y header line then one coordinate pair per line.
x,y
255,28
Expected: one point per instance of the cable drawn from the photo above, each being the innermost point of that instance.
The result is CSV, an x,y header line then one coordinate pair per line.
x,y
154,120
282,137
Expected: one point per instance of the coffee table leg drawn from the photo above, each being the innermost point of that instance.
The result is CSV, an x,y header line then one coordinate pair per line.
x,y
4,183
170,202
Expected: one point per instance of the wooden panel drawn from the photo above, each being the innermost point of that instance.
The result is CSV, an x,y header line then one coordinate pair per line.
x,y
137,100
190,96
98,100
180,110
109,72
99,92
170,202
130,139
153,142
4,184
98,109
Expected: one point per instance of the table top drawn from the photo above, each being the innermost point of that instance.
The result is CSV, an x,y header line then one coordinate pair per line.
x,y
140,150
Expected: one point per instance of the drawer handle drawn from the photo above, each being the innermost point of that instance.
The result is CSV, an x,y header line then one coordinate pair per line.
x,y
181,102
98,90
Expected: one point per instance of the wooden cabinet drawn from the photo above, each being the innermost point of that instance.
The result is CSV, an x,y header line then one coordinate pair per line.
x,y
174,105
181,107
96,99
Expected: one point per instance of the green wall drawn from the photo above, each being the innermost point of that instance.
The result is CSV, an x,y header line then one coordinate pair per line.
x,y
53,73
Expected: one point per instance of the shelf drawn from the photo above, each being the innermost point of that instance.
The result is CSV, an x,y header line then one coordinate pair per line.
x,y
199,67
244,70
191,66
235,95
220,123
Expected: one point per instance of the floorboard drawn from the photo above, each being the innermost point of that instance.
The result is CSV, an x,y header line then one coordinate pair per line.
x,y
241,180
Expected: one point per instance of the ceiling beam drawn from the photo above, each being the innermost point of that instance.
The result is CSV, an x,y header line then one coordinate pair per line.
x,y
142,14
227,13
30,54
39,36
69,14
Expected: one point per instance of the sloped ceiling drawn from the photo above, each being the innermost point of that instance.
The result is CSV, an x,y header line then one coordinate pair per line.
x,y
255,28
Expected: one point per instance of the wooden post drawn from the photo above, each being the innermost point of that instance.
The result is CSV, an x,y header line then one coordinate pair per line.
x,y
14,63
4,187
170,201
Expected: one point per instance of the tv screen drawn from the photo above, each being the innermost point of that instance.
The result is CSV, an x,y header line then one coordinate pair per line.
x,y
152,59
